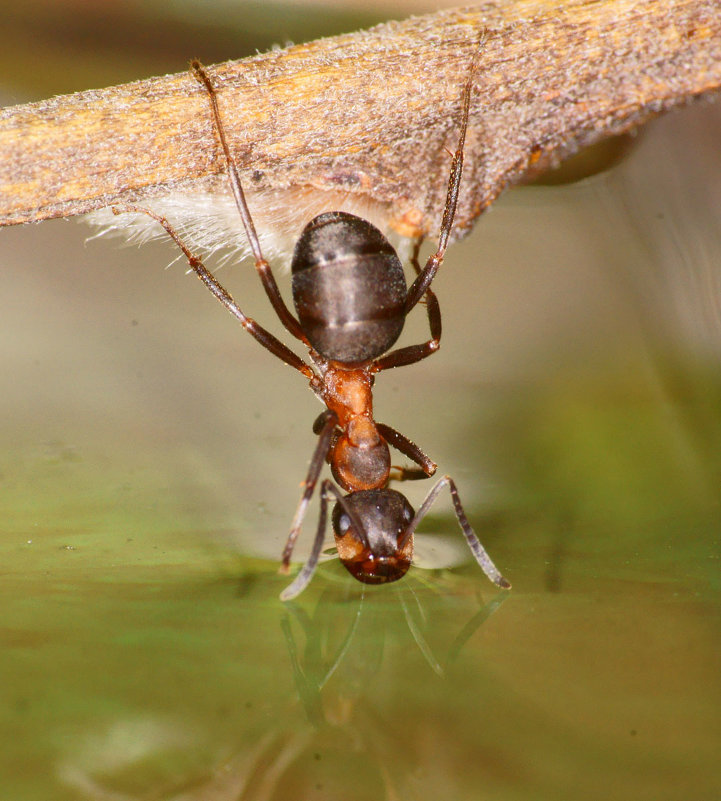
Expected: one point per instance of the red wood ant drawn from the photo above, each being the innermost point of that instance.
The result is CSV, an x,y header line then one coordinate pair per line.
x,y
351,298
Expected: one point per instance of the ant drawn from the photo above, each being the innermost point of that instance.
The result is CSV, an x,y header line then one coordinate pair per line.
x,y
351,298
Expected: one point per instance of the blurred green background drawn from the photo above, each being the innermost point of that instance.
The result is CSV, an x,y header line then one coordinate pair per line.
x,y
151,455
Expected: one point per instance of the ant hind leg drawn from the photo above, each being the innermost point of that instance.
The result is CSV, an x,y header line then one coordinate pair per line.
x,y
428,273
261,265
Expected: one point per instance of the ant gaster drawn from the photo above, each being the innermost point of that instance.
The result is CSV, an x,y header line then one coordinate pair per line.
x,y
351,298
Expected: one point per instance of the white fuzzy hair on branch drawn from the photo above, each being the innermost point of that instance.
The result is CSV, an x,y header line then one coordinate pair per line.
x,y
210,225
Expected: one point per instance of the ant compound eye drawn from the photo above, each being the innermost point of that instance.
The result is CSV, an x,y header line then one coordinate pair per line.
x,y
407,514
343,524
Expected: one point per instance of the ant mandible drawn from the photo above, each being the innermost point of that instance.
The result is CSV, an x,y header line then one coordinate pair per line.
x,y
351,298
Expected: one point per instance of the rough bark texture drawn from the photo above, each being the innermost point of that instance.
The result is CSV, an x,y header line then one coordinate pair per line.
x,y
370,113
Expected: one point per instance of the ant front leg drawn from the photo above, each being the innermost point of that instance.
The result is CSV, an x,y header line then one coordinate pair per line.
x,y
408,448
316,465
303,578
479,552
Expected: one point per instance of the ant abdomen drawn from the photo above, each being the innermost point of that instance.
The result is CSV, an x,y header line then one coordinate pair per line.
x,y
381,552
348,288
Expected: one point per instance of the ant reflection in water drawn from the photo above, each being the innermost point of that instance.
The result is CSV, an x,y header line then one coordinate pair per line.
x,y
338,648
351,298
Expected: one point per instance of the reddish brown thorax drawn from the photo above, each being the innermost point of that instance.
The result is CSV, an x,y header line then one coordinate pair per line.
x,y
359,457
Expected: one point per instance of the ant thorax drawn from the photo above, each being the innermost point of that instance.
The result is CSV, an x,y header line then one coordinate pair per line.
x,y
347,391
359,456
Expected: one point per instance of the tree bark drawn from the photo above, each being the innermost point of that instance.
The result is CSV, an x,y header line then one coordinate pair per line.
x,y
371,114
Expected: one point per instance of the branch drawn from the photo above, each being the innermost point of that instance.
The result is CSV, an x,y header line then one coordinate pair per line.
x,y
369,115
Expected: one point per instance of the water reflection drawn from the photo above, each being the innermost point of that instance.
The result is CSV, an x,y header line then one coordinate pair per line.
x,y
338,664
354,658
358,653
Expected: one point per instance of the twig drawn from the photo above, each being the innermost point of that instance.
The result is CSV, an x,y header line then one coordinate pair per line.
x,y
370,114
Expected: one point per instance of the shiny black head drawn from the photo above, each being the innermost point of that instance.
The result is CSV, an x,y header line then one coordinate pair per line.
x,y
373,555
349,288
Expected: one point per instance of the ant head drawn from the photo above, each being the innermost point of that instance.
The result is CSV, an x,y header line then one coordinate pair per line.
x,y
370,533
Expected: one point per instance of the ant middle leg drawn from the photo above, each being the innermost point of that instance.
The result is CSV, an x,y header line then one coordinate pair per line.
x,y
415,353
432,306
261,265
260,334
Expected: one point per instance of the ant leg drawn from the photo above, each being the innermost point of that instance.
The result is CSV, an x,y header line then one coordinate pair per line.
x,y
320,421
407,474
261,265
306,574
409,449
479,552
316,464
423,281
303,578
414,353
266,339
432,306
